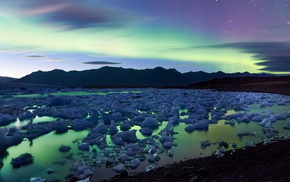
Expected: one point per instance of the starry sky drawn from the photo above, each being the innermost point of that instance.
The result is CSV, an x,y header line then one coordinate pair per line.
x,y
188,35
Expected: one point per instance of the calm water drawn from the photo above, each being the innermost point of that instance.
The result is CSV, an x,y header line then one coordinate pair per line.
x,y
45,148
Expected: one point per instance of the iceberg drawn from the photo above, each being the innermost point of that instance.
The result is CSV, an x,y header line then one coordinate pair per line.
x,y
23,159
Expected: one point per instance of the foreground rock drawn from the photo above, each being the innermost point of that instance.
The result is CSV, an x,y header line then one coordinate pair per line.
x,y
261,163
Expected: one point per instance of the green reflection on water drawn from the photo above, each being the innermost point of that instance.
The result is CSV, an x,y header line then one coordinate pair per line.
x,y
45,151
45,148
75,93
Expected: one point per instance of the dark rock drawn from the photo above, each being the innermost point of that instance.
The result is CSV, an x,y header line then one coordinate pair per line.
x,y
203,172
124,173
195,178
109,164
223,144
168,175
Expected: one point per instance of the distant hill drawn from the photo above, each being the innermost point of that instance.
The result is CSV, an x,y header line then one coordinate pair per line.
x,y
4,79
123,77
278,84
108,76
203,76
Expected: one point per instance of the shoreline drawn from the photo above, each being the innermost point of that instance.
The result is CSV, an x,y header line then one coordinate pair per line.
x,y
270,162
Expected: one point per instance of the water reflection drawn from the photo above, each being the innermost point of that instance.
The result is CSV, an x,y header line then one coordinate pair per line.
x,y
45,148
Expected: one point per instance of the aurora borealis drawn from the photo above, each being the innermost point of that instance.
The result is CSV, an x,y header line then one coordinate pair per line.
x,y
188,35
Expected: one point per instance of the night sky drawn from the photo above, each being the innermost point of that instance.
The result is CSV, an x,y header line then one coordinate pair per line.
x,y
188,35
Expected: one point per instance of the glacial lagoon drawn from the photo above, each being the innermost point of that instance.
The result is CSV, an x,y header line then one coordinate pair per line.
x,y
110,130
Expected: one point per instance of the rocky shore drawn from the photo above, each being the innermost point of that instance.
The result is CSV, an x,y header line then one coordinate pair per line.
x,y
269,162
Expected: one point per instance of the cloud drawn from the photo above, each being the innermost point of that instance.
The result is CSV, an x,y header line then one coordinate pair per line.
x,y
67,14
275,63
34,56
274,56
100,63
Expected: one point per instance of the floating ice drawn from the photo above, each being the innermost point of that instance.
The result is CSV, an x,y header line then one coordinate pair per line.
x,y
80,124
101,128
153,158
81,170
223,144
59,126
201,125
126,125
72,113
36,130
126,136
169,127
84,146
165,137
94,115
35,179
13,138
234,116
170,153
113,128
243,119
134,147
112,116
64,148
250,144
257,118
119,168
219,153
150,122
59,101
26,115
189,129
23,159
232,122
146,131
168,145
6,119
135,163
249,133
150,167
118,107
50,171
204,144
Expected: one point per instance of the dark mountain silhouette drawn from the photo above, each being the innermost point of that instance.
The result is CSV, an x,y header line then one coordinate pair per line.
x,y
203,76
4,79
122,77
278,84
108,76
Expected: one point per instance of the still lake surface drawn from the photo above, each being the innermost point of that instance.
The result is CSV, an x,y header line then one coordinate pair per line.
x,y
45,148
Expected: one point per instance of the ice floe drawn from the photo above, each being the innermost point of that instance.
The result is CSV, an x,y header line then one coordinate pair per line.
x,y
124,129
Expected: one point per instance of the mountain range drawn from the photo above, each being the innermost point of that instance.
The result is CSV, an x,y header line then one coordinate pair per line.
x,y
124,77
278,84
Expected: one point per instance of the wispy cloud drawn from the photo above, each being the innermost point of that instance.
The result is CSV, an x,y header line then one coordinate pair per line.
x,y
274,56
67,14
34,56
100,63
